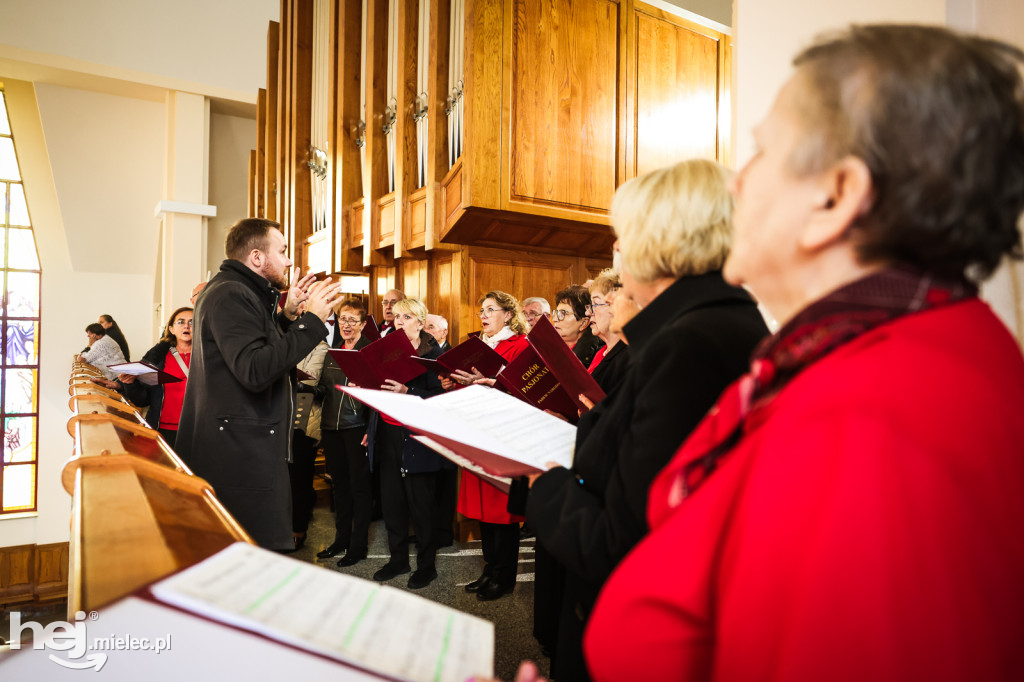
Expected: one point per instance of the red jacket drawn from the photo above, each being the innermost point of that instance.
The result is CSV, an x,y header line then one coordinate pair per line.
x,y
869,525
477,499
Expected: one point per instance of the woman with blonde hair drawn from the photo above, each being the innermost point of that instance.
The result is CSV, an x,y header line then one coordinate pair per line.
x,y
504,329
692,337
408,469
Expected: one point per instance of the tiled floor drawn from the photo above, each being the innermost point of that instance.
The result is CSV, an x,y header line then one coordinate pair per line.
x,y
512,615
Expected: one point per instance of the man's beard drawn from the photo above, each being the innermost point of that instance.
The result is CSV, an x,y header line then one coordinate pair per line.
x,y
278,279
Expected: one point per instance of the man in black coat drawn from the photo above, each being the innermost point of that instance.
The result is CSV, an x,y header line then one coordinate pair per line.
x,y
236,420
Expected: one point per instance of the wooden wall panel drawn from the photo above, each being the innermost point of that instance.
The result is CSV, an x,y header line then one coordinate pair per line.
x,y
564,103
17,574
375,176
273,161
439,292
252,191
261,154
51,570
348,173
284,155
300,119
676,97
413,279
33,573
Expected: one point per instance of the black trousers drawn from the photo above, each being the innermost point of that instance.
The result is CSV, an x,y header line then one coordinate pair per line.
x,y
349,467
405,498
447,500
169,436
500,544
300,474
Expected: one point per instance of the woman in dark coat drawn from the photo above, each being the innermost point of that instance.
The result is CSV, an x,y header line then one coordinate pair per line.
x,y
408,469
165,400
692,338
343,424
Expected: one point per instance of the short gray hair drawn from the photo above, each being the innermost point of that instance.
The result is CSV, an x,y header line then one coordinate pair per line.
x,y
544,305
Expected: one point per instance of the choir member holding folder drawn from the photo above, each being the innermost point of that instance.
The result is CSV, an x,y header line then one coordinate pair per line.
x,y
171,354
342,428
692,337
408,469
504,329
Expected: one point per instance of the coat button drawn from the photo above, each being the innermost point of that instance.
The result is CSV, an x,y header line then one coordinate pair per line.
x,y
302,326
222,428
271,432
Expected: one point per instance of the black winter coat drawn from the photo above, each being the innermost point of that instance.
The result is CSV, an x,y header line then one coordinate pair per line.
x,y
340,410
690,343
236,420
417,458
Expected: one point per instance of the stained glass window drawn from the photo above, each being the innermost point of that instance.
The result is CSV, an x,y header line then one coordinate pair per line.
x,y
19,357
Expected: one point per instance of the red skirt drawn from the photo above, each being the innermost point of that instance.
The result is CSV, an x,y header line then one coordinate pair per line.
x,y
482,501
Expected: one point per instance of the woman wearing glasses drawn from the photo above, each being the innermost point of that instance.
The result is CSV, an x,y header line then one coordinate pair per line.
x,y
172,354
573,323
504,329
343,422
611,360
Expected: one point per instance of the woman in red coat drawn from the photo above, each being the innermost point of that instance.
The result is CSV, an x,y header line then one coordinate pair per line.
x,y
852,508
504,329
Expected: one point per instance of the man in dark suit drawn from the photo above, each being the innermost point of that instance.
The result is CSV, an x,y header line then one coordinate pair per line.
x,y
437,327
237,415
390,299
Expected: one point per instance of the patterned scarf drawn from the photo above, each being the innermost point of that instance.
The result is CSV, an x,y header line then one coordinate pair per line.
x,y
816,331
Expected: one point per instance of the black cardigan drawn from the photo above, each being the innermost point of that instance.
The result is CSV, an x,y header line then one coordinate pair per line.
x,y
690,343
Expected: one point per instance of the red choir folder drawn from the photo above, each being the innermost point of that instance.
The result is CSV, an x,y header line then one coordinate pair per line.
x,y
469,354
528,377
385,358
144,372
558,378
370,330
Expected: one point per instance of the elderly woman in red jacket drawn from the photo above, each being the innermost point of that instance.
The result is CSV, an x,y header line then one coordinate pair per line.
x,y
504,329
852,508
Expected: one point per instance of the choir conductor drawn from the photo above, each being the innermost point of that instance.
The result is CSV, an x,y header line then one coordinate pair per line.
x,y
236,420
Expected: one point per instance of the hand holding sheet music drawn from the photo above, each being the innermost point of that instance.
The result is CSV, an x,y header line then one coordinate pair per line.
x,y
502,434
145,372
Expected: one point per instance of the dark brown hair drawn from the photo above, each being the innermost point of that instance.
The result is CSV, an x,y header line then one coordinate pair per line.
x,y
96,328
938,118
246,235
577,296
168,336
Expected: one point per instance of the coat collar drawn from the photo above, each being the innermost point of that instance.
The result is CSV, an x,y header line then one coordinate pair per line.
x,y
685,295
259,284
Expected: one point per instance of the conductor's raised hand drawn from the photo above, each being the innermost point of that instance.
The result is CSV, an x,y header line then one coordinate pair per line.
x,y
298,293
323,297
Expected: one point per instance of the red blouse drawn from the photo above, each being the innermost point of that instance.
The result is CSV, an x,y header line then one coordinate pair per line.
x,y
174,393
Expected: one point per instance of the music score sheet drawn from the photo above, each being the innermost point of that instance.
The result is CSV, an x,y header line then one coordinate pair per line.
x,y
356,621
481,418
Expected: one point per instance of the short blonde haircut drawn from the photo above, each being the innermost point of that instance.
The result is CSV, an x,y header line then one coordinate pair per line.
x,y
605,283
414,306
674,221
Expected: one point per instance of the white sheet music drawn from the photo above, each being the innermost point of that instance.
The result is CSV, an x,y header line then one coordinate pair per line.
x,y
483,418
350,619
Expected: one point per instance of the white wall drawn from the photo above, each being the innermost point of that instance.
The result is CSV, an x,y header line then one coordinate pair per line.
x,y
231,138
215,48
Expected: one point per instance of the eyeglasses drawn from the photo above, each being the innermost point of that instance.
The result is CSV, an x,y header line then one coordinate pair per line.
x,y
591,307
487,312
182,323
347,321
560,315
530,315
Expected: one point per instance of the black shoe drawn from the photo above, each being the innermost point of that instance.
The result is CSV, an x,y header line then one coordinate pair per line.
x,y
492,590
334,550
351,559
421,577
390,570
475,586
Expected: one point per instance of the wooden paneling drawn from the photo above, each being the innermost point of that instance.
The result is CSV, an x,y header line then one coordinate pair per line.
x,y
356,222
387,220
348,174
300,119
675,75
270,142
261,154
533,233
51,568
440,296
564,103
451,197
413,279
16,574
375,176
284,155
251,202
416,234
437,133
482,130
405,127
